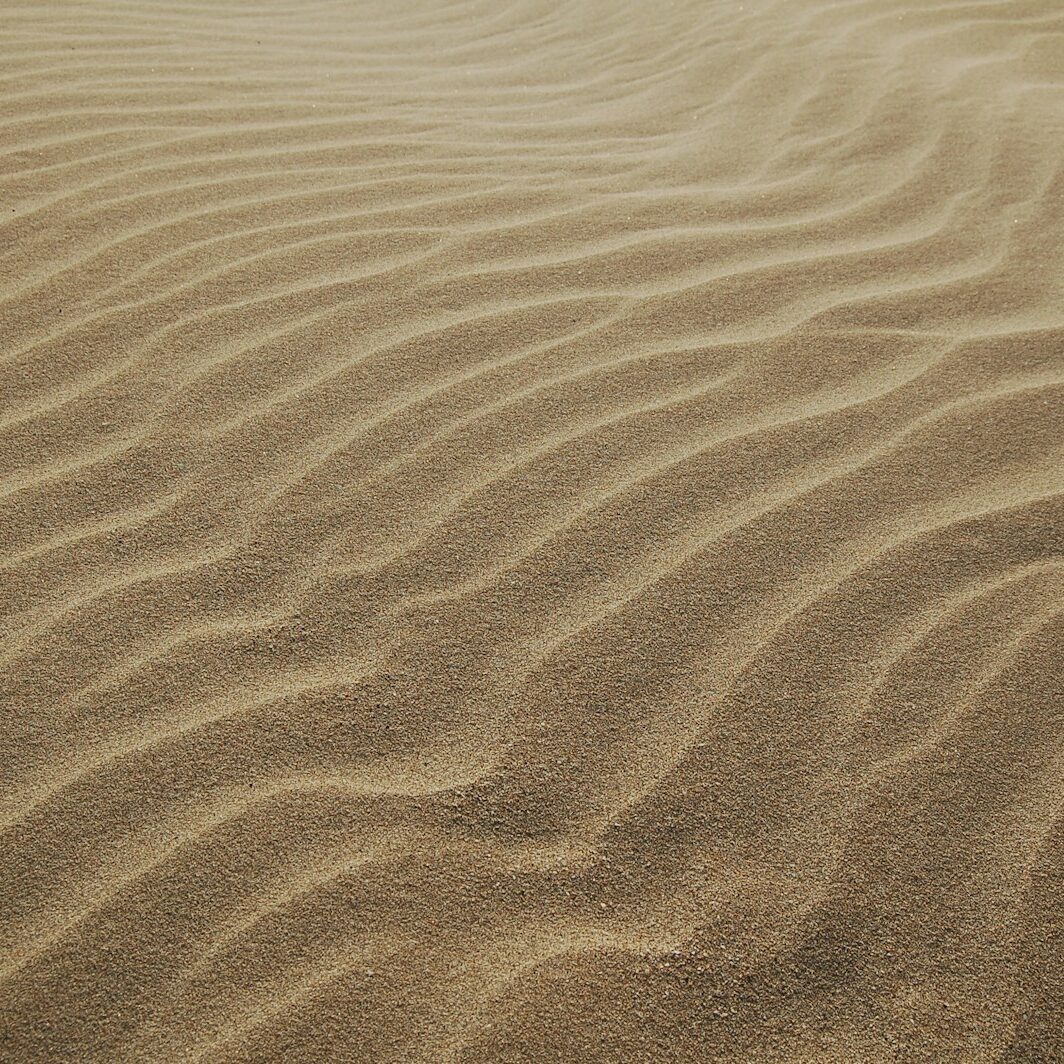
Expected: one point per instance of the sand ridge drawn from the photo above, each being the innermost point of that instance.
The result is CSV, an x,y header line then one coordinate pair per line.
x,y
531,532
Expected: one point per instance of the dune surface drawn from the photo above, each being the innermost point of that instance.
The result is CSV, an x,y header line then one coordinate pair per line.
x,y
531,532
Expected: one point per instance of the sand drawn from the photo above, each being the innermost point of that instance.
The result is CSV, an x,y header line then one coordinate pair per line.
x,y
531,532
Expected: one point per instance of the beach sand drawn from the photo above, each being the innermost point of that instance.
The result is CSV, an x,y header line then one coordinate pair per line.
x,y
532,532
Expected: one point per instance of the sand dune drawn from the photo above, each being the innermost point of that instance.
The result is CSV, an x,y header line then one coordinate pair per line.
x,y
532,531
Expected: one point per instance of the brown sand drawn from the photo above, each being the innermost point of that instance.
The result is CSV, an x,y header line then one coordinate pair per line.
x,y
532,531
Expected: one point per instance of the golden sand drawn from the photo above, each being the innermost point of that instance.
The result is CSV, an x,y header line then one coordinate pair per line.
x,y
531,531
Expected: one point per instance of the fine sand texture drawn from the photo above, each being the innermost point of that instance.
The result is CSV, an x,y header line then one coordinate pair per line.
x,y
531,531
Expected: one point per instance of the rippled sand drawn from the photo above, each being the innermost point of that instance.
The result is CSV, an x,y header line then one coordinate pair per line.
x,y
531,531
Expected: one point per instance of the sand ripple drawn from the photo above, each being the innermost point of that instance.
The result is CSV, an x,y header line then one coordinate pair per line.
x,y
532,531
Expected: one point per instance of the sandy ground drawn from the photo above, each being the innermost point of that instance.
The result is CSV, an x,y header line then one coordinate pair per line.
x,y
531,531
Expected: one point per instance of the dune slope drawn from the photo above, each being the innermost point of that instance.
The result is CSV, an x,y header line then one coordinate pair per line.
x,y
532,531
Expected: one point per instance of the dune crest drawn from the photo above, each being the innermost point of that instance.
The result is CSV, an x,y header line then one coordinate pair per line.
x,y
531,531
